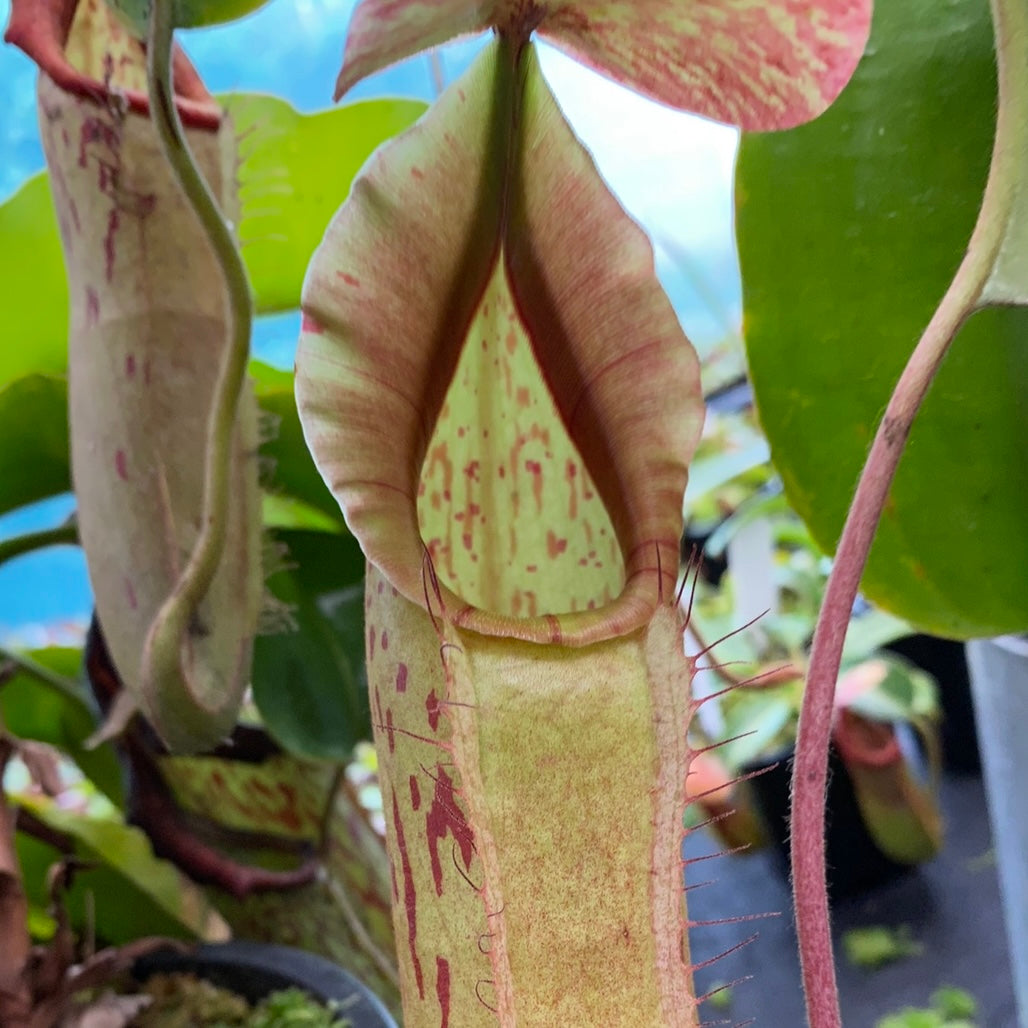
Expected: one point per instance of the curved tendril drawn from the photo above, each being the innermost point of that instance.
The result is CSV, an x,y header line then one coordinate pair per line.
x,y
161,654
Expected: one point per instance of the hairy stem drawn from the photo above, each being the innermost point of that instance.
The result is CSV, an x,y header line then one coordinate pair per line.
x,y
19,545
172,620
965,295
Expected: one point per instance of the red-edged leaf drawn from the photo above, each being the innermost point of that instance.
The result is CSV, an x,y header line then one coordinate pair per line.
x,y
383,32
760,66
41,28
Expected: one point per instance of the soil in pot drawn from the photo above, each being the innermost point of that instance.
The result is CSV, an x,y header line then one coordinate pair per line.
x,y
253,971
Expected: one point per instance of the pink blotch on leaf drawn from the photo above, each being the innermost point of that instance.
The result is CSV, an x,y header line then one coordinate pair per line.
x,y
401,678
415,792
311,325
121,465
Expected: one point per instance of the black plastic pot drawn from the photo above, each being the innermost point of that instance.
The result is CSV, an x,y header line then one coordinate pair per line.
x,y
253,970
855,863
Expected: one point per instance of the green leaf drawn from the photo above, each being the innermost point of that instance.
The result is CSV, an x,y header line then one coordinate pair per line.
x,y
308,682
33,709
952,1002
133,893
871,631
872,946
291,471
850,230
295,171
34,457
35,312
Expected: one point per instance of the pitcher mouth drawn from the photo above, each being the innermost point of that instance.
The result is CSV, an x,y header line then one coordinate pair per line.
x,y
42,28
490,378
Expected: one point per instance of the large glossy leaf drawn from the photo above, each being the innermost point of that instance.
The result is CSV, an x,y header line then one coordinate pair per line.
x,y
850,230
34,459
308,680
295,170
34,328
290,472
33,709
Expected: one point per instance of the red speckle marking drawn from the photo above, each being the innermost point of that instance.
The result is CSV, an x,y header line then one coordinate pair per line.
x,y
109,251
371,642
554,546
442,989
92,307
130,365
433,709
130,594
311,325
524,397
446,818
121,465
417,173
535,469
410,898
511,341
401,674
385,640
349,279
415,792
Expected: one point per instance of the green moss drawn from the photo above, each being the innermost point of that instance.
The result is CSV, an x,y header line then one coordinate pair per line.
x,y
185,1001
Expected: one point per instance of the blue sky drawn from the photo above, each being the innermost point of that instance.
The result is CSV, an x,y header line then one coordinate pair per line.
x,y
672,171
